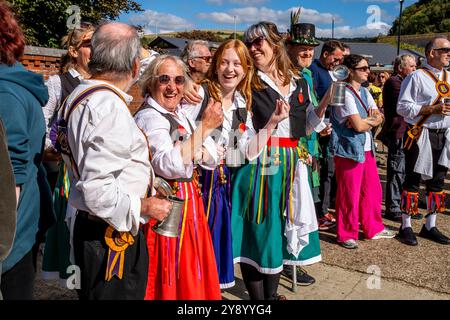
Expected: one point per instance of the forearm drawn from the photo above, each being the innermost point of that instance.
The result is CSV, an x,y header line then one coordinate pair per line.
x,y
428,110
17,195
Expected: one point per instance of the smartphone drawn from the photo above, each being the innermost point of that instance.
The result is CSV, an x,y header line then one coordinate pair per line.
x,y
446,100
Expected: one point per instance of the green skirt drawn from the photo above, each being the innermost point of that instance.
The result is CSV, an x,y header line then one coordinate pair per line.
x,y
261,194
57,245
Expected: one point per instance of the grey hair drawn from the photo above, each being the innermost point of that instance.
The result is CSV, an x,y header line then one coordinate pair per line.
x,y
190,51
113,51
401,60
149,79
256,30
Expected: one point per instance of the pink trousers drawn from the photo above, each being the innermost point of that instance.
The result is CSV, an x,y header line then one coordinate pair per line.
x,y
358,198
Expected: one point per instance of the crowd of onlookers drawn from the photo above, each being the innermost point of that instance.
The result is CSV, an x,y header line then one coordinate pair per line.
x,y
243,145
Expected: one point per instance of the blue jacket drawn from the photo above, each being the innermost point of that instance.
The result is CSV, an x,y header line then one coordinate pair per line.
x,y
346,142
321,77
22,95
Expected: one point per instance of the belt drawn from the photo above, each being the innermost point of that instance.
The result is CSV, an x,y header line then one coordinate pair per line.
x,y
86,215
439,131
283,142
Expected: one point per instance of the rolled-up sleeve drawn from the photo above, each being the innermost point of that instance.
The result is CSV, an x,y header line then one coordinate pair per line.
x,y
408,105
107,153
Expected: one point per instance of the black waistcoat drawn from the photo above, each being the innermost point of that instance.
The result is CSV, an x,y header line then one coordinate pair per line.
x,y
264,102
68,84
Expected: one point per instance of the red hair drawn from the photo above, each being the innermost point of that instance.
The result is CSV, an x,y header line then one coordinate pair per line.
x,y
12,40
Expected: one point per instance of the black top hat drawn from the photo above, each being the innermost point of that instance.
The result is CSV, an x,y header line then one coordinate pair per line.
x,y
303,34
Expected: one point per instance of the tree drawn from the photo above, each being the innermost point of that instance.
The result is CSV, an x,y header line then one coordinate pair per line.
x,y
45,22
425,16
199,35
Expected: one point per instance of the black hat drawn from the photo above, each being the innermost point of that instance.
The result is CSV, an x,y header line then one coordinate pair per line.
x,y
303,34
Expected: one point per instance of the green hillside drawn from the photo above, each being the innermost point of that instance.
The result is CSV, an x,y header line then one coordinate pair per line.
x,y
425,16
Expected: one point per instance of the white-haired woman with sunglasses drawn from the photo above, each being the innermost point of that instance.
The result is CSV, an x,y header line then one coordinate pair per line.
x,y
359,193
181,268
273,218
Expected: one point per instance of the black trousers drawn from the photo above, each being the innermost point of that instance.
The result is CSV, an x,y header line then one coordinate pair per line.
x,y
91,254
18,282
327,179
412,179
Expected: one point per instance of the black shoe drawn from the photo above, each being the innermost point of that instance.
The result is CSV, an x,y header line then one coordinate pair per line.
x,y
303,278
434,234
418,216
393,216
407,236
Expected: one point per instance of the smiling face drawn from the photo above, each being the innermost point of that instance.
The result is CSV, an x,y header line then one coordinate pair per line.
x,y
262,53
332,59
169,95
230,71
302,56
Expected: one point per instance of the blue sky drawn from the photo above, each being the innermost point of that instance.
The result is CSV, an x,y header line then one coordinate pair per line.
x,y
353,18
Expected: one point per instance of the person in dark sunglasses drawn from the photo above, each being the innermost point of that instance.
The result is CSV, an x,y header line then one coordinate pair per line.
x,y
197,57
263,239
423,102
178,148
359,192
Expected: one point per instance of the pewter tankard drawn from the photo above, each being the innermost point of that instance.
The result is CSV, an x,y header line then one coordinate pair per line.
x,y
170,226
340,72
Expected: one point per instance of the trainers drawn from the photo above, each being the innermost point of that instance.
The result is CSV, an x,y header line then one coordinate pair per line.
x,y
327,222
349,244
384,234
330,217
303,278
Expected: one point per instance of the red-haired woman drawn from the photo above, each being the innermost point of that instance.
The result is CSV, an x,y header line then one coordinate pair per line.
x,y
22,95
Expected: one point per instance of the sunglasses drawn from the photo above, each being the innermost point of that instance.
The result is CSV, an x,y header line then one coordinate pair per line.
x,y
444,50
257,42
85,44
165,79
207,59
363,69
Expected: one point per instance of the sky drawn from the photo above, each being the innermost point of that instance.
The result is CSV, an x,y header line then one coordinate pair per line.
x,y
353,18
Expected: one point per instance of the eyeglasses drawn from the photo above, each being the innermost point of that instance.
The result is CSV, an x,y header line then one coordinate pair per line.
x,y
444,50
165,79
257,42
207,59
363,69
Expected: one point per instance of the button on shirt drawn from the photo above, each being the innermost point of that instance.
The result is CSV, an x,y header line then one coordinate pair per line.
x,y
112,157
418,90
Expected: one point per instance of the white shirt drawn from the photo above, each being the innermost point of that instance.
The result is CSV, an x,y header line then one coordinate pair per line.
x,y
166,156
418,90
54,101
112,157
350,108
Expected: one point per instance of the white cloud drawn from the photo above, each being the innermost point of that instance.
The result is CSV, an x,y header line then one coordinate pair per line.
x,y
156,22
353,32
281,18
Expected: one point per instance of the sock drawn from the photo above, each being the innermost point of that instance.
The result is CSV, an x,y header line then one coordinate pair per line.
x,y
406,221
431,221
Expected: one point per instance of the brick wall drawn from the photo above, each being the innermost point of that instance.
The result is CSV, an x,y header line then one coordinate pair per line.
x,y
46,61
